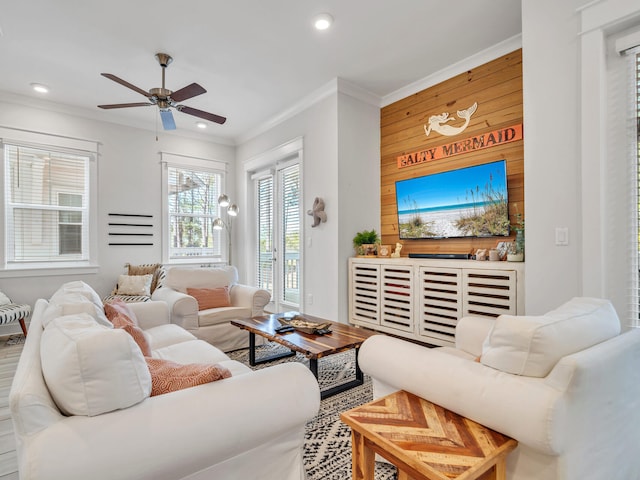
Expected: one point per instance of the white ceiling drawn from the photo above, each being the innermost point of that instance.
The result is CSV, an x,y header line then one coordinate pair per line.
x,y
255,58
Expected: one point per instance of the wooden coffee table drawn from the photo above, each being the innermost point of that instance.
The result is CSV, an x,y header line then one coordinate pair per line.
x,y
424,440
342,337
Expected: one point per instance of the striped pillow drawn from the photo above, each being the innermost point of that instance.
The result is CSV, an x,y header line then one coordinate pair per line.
x,y
168,376
211,297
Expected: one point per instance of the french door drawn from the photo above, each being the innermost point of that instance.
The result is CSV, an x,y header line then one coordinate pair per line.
x,y
279,220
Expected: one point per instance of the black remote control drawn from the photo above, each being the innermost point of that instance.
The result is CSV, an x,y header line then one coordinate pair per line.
x,y
285,329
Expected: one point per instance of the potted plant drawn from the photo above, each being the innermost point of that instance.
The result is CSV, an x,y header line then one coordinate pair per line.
x,y
366,243
516,252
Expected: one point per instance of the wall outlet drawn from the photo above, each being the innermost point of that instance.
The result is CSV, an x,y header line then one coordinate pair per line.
x,y
309,298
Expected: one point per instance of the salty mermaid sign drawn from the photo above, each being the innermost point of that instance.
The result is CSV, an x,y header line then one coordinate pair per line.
x,y
478,142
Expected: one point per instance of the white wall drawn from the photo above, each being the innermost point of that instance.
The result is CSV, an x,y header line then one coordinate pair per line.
x,y
129,182
567,175
359,181
551,152
341,165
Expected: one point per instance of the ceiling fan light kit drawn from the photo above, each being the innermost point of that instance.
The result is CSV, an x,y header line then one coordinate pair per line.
x,y
164,98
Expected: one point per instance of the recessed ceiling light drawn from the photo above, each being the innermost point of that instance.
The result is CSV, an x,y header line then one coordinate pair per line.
x,y
40,88
201,125
322,21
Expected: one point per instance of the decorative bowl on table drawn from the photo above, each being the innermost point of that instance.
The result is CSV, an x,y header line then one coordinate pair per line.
x,y
302,324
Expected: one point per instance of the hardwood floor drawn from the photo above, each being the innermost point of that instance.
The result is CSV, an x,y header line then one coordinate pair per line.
x,y
9,356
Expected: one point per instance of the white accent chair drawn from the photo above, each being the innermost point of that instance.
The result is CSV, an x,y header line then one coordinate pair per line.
x,y
213,324
566,385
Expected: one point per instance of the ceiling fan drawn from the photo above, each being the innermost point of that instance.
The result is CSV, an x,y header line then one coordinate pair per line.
x,y
166,99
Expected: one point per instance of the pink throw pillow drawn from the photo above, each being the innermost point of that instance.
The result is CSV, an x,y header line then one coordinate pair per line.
x,y
168,376
117,306
124,322
210,297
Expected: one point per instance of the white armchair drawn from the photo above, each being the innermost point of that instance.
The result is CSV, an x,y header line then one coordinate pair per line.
x,y
566,385
211,324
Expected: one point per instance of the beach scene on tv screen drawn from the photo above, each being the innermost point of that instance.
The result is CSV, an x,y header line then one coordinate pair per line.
x,y
468,202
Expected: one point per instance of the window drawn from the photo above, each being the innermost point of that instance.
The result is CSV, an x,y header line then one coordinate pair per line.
x,y
70,224
47,192
278,223
290,236
264,262
192,208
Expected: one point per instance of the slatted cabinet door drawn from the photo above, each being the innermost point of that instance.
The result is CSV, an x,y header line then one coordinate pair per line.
x,y
396,297
489,293
440,304
423,299
365,293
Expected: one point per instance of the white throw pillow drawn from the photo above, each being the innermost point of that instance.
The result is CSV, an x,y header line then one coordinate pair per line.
x,y
90,369
4,300
80,288
181,278
134,285
531,346
62,304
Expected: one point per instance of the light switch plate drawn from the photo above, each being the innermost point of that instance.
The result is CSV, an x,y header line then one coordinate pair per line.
x,y
562,236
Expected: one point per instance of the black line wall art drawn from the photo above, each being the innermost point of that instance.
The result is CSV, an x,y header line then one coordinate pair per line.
x,y
130,229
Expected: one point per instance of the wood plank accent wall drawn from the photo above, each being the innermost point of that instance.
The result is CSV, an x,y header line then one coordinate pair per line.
x,y
497,88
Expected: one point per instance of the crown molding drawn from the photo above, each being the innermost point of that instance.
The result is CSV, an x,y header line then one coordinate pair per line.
x,y
353,90
331,87
480,58
300,106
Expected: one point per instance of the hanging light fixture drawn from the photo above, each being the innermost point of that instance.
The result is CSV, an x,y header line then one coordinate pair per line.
x,y
218,224
223,200
232,211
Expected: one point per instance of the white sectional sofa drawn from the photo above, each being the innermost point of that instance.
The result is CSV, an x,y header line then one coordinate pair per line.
x,y
248,426
566,385
211,324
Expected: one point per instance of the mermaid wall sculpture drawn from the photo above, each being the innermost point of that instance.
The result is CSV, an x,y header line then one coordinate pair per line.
x,y
437,123
317,212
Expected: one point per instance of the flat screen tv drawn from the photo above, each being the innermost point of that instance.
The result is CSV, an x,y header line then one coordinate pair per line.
x,y
468,202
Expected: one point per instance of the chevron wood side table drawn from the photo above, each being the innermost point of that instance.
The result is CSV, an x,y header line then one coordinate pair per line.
x,y
424,441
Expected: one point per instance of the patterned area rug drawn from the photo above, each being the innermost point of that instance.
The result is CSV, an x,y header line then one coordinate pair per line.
x,y
327,446
16,339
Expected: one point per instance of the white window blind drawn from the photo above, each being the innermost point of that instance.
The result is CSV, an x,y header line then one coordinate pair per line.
x,y
192,208
46,204
264,260
290,247
635,241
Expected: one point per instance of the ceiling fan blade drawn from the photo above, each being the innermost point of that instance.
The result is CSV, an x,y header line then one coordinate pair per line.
x,y
125,84
167,120
187,92
124,105
199,113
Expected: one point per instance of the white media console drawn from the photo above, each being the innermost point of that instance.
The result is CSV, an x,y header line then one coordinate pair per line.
x,y
423,299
